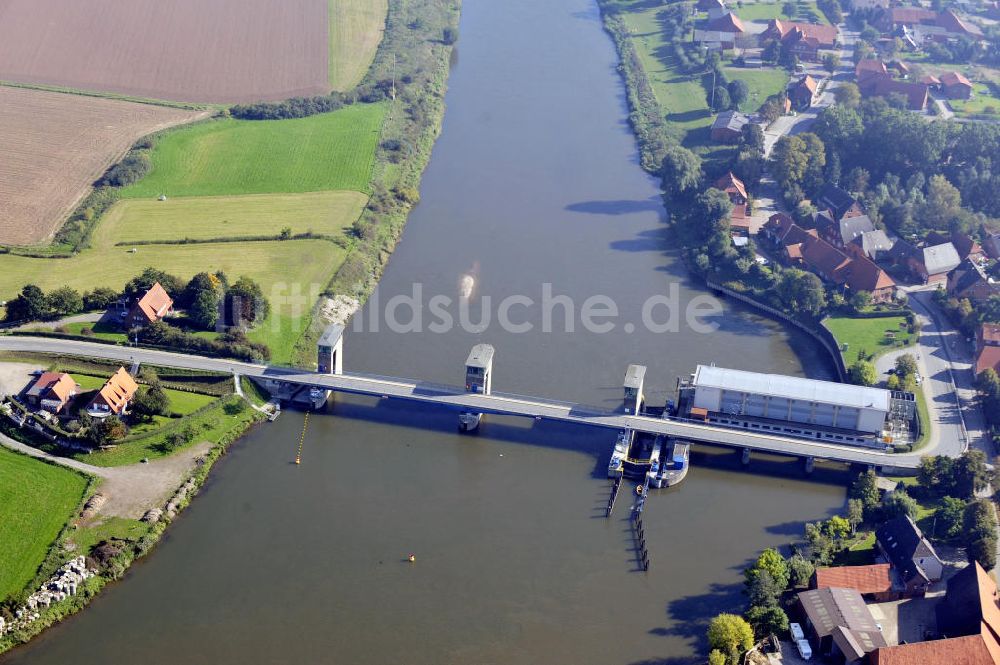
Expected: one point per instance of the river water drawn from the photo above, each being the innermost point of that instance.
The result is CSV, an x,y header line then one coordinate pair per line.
x,y
534,181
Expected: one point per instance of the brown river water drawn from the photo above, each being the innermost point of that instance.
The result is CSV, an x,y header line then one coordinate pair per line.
x,y
534,181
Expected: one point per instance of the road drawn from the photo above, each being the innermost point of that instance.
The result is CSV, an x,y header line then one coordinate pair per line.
x,y
456,398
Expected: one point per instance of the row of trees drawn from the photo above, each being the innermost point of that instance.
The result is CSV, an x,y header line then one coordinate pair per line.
x,y
33,304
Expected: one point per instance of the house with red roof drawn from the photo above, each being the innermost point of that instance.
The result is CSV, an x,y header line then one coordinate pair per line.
x,y
721,33
988,348
51,391
883,85
927,25
805,40
956,86
873,582
155,304
737,193
114,396
802,93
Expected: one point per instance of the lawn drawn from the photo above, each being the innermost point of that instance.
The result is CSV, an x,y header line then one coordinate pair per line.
x,y
762,83
760,11
107,528
282,330
36,501
324,152
868,334
980,104
210,425
278,266
97,330
356,28
213,217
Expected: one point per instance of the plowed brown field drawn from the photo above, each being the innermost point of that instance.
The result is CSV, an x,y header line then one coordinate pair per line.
x,y
52,148
218,51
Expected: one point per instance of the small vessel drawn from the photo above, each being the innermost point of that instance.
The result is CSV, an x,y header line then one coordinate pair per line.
x,y
318,397
676,464
469,421
619,453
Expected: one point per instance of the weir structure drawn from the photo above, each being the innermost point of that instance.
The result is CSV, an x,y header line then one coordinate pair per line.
x,y
463,400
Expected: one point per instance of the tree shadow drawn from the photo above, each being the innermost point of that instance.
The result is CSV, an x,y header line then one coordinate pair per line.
x,y
619,207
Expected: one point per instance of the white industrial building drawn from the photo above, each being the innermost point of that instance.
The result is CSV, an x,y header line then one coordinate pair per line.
x,y
822,410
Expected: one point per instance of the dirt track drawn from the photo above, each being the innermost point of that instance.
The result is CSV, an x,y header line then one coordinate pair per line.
x,y
54,146
218,51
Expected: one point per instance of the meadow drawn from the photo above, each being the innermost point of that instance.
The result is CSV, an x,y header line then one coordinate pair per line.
x,y
356,28
329,151
212,217
868,334
36,500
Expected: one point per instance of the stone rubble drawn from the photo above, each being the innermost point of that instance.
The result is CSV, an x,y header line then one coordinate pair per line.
x,y
65,583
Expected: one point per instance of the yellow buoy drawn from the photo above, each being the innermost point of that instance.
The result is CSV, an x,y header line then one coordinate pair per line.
x,y
412,558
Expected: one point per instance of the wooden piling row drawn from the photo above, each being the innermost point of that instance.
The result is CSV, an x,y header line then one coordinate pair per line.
x,y
615,487
640,537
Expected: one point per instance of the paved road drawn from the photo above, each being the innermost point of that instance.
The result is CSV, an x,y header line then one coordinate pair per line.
x,y
457,398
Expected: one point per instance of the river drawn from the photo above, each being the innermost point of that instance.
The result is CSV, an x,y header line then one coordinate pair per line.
x,y
535,180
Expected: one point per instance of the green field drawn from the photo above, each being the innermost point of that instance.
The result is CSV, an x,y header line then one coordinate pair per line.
x,y
36,501
762,83
765,11
981,103
356,28
323,152
212,217
276,265
868,334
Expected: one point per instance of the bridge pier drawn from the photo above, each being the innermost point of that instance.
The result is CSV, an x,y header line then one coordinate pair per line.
x,y
478,379
746,457
635,378
810,464
330,350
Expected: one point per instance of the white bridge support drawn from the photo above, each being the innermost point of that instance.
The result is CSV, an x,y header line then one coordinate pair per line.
x,y
330,350
635,379
810,464
479,381
746,457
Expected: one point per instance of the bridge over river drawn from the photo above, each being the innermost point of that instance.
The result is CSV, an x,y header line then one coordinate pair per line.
x,y
460,399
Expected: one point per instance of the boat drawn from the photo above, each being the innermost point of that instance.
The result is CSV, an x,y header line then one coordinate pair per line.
x,y
676,464
468,421
619,453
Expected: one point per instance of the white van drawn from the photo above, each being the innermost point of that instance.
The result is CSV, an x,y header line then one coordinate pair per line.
x,y
796,631
804,649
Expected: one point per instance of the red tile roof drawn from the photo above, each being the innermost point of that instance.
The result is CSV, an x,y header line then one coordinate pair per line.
x,y
821,35
730,184
60,384
866,68
954,78
929,79
988,358
990,332
971,650
863,579
863,275
882,86
155,304
117,391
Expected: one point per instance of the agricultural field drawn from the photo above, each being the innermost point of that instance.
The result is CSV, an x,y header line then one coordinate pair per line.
x,y
223,51
275,263
55,145
356,28
209,217
36,501
323,152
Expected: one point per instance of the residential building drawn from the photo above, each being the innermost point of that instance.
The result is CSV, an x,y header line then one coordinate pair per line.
x,y
927,25
873,582
114,396
911,555
721,33
916,94
987,348
901,69
842,233
838,201
966,247
932,264
801,93
805,40
715,8
737,192
868,68
152,306
840,624
969,280
930,81
873,245
51,391
728,126
956,86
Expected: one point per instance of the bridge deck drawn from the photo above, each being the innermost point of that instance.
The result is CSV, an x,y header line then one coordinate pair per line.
x,y
497,403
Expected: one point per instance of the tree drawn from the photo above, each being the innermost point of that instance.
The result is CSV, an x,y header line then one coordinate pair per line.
x,y
800,570
860,300
789,9
772,108
983,550
949,517
906,365
204,310
815,151
770,560
847,95
767,620
838,527
245,304
680,171
863,373
943,204
898,503
150,402
64,301
30,305
865,489
142,282
716,657
763,590
738,92
752,139
731,635
802,292
831,61
971,474
855,513
100,298
892,383
720,99
107,430
709,220
789,161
